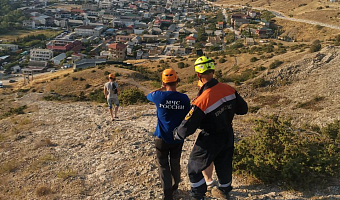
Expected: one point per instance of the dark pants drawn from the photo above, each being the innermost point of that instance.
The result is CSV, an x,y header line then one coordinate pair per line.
x,y
164,152
208,149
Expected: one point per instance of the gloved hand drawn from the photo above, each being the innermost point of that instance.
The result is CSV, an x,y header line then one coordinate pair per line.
x,y
176,135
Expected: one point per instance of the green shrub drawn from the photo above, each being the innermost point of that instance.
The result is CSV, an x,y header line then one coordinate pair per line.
x,y
161,61
74,78
253,59
82,79
15,111
93,71
77,69
260,68
192,78
222,60
311,104
259,82
132,96
106,73
244,76
97,96
52,98
318,27
236,46
332,130
280,153
66,75
87,86
315,47
101,67
180,65
275,64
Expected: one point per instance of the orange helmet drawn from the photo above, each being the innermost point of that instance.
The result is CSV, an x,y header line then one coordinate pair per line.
x,y
169,75
111,76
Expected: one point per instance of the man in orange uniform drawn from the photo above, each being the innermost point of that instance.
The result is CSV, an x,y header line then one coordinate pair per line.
x,y
213,112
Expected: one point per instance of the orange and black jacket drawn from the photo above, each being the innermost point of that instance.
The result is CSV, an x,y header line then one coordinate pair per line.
x,y
212,111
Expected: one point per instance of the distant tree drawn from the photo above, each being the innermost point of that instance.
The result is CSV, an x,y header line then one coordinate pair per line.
x,y
201,35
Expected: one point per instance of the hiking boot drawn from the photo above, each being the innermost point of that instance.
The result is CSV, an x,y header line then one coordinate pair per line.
x,y
220,193
212,184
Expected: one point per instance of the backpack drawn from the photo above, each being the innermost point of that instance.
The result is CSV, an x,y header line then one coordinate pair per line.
x,y
114,88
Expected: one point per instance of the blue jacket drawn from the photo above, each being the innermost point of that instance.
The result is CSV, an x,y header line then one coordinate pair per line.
x,y
171,110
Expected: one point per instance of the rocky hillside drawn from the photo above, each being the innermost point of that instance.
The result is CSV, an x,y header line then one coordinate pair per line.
x,y
73,151
306,90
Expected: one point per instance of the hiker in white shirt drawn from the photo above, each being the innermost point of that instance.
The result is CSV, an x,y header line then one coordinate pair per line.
x,y
111,92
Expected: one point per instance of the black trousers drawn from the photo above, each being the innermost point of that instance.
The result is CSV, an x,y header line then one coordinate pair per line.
x,y
208,149
168,152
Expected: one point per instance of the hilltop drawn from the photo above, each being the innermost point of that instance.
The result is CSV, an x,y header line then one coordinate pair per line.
x,y
71,150
321,11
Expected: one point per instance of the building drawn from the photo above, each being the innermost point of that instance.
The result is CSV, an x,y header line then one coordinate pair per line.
x,y
249,42
190,40
10,47
16,69
105,4
41,55
85,30
64,45
43,20
92,7
57,60
220,25
28,24
214,40
238,19
117,51
252,14
124,38
98,31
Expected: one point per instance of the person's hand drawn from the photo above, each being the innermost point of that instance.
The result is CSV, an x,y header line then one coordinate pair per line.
x,y
176,136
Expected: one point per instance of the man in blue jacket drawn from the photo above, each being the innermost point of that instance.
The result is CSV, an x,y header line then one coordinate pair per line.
x,y
172,107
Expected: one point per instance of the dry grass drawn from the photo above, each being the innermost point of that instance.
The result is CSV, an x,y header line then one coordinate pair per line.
x,y
302,9
43,191
10,166
22,33
306,32
40,162
66,174
312,104
44,143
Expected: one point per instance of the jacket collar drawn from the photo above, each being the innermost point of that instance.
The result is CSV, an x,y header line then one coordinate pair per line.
x,y
207,85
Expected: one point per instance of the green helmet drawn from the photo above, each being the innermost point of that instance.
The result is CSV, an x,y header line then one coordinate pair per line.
x,y
203,64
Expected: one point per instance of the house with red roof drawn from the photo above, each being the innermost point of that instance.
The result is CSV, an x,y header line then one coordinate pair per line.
x,y
190,40
117,51
220,25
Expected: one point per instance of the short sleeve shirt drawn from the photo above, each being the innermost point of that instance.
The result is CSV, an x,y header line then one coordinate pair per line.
x,y
110,86
172,107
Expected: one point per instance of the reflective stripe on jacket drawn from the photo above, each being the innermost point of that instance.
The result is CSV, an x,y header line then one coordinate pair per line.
x,y
213,110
